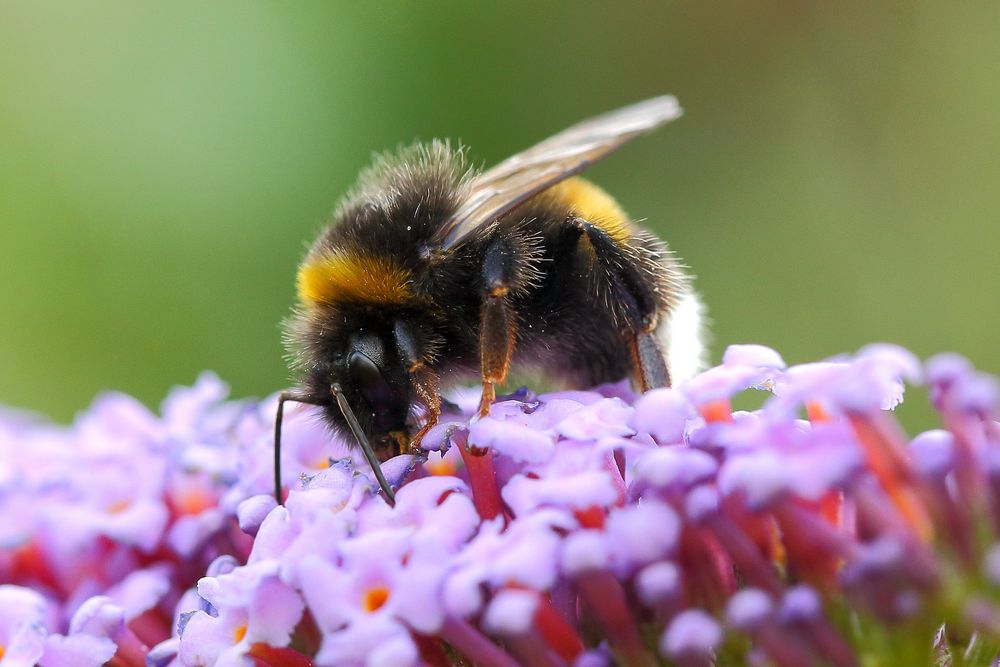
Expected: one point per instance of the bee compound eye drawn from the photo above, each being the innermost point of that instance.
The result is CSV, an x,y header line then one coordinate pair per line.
x,y
370,381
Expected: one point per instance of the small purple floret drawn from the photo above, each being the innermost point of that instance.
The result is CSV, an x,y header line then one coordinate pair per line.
x,y
693,633
753,355
748,609
801,603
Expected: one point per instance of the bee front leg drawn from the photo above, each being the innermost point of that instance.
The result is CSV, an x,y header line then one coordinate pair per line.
x,y
414,351
425,382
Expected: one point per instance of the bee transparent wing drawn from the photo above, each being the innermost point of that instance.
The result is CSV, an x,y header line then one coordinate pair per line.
x,y
516,179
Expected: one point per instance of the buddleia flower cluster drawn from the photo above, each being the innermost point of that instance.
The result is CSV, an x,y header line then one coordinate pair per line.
x,y
579,528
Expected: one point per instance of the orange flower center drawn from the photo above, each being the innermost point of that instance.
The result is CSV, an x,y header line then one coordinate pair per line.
x,y
374,598
816,412
440,468
239,633
193,501
321,463
118,507
591,517
717,411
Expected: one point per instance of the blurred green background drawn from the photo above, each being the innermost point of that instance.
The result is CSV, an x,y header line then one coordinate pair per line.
x,y
835,180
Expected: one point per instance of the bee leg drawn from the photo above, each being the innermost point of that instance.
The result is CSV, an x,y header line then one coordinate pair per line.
x,y
637,297
497,325
425,382
496,344
648,361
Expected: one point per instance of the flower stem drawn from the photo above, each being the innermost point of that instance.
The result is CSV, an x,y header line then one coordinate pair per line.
x,y
531,651
744,553
785,651
605,600
556,632
886,452
474,645
708,570
482,477
131,650
269,656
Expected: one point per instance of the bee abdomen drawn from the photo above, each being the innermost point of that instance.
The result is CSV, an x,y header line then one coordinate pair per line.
x,y
583,199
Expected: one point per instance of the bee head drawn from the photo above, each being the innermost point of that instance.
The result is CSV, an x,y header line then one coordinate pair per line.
x,y
376,389
359,364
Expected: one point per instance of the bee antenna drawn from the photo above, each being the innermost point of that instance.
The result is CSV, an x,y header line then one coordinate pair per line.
x,y
278,418
366,447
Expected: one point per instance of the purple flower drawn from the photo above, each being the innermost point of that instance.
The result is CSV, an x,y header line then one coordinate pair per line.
x,y
517,440
579,527
524,555
378,575
658,582
663,414
641,534
753,355
25,617
249,605
749,609
511,613
691,637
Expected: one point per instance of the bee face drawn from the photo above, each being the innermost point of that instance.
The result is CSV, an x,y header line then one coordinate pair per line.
x,y
365,364
375,373
431,271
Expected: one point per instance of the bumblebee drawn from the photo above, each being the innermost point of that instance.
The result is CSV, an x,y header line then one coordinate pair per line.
x,y
432,272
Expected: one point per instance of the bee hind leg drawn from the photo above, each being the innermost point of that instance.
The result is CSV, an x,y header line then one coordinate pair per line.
x,y
636,296
648,361
425,380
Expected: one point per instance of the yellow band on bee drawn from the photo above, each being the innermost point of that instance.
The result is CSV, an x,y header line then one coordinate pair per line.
x,y
594,205
334,277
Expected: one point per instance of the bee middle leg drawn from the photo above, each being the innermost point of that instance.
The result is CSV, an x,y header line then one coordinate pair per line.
x,y
496,344
497,324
